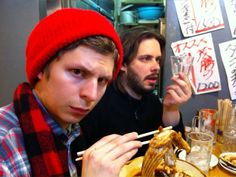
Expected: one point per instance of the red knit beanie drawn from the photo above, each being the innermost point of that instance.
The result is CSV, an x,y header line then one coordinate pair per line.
x,y
62,28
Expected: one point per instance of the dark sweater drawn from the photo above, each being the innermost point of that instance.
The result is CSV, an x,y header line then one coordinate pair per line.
x,y
119,113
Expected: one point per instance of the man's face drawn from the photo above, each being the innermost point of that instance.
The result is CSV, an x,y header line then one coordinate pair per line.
x,y
142,72
77,81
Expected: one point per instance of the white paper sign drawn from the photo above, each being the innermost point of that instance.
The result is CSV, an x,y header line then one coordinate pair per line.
x,y
198,16
204,75
230,7
228,55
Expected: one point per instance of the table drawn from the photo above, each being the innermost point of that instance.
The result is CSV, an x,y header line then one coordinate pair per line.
x,y
218,171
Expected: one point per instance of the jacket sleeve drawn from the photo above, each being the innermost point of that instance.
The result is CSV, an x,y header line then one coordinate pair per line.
x,y
180,127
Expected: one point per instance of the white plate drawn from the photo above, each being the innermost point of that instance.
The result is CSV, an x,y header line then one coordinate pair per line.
x,y
231,155
226,167
213,162
134,168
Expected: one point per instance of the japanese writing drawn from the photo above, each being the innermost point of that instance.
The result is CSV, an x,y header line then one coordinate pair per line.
x,y
232,63
196,17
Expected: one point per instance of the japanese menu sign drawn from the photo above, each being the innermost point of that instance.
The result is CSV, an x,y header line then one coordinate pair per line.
x,y
204,75
230,6
199,16
228,55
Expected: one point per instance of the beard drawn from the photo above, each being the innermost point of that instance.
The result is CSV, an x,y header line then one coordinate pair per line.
x,y
137,85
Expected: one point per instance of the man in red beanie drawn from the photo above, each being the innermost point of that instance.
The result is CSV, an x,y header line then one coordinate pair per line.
x,y
69,63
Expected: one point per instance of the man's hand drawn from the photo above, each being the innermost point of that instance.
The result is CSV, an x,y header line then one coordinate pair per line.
x,y
179,92
107,156
176,94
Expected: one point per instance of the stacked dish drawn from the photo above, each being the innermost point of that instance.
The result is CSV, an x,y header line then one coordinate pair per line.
x,y
228,161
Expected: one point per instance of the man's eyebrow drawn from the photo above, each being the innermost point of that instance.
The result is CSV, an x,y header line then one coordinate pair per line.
x,y
88,71
144,55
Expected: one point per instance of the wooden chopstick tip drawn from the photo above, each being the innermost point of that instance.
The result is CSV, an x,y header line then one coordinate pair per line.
x,y
79,158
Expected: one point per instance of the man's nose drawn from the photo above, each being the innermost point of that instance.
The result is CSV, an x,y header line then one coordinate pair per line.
x,y
89,90
155,66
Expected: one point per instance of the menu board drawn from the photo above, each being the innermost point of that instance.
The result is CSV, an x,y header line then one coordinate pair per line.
x,y
199,16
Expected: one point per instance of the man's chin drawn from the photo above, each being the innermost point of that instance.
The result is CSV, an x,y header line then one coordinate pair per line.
x,y
149,89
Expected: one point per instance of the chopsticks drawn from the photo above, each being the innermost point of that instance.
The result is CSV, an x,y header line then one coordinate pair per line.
x,y
153,132
79,154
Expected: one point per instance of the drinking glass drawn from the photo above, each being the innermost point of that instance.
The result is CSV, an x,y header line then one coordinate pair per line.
x,y
205,122
181,64
229,133
201,148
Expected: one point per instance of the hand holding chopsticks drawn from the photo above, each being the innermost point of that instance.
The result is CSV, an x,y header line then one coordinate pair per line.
x,y
79,154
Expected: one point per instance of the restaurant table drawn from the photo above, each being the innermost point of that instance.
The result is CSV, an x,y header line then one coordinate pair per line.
x,y
218,171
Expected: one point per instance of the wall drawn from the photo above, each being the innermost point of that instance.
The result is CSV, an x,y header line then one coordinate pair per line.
x,y
17,18
105,7
174,34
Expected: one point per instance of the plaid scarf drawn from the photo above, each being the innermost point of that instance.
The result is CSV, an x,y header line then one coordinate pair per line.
x,y
46,153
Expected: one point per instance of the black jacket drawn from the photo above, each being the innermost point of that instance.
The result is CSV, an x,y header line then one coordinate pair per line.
x,y
119,113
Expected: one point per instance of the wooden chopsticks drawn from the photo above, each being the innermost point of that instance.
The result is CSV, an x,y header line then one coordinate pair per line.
x,y
153,132
79,154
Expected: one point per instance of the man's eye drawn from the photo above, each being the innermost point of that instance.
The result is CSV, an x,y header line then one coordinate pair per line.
x,y
103,81
76,71
145,58
158,59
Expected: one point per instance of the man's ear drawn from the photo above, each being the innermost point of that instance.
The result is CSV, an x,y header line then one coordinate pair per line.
x,y
40,75
124,68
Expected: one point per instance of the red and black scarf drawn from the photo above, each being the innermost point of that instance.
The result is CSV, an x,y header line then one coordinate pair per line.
x,y
46,153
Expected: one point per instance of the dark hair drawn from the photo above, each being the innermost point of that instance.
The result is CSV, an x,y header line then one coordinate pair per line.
x,y
100,44
132,38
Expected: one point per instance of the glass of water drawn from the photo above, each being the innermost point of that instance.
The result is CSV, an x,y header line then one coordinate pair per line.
x,y
201,148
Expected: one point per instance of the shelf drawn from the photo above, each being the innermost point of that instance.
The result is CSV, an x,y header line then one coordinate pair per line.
x,y
148,21
141,22
129,24
141,1
122,22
